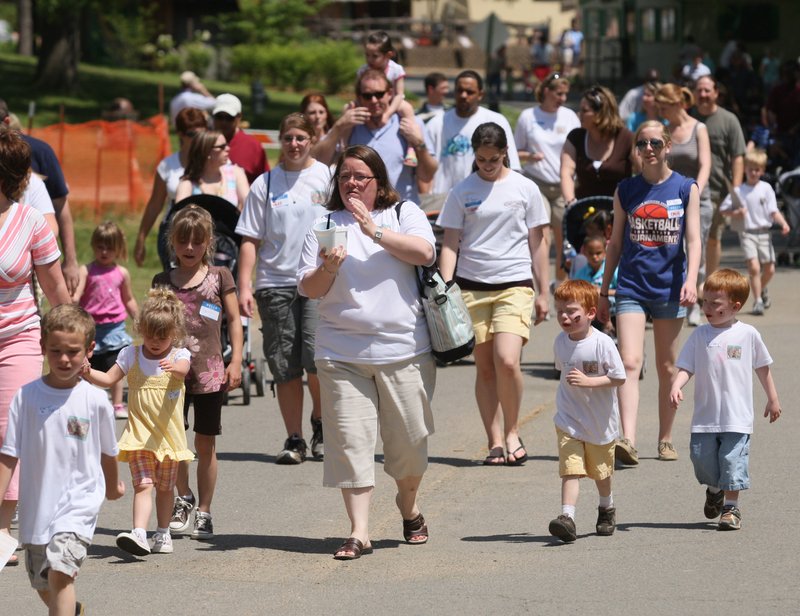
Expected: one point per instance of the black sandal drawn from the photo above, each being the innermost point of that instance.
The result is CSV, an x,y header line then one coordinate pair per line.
x,y
352,545
415,528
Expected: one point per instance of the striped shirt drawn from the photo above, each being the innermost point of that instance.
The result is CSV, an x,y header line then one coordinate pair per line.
x,y
25,241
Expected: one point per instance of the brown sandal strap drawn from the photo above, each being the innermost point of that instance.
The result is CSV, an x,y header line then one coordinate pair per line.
x,y
415,527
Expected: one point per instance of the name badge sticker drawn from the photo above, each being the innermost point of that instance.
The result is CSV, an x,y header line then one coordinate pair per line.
x,y
674,202
210,311
280,200
675,211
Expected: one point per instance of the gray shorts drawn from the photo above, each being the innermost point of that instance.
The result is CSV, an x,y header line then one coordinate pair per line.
x,y
65,553
288,327
757,245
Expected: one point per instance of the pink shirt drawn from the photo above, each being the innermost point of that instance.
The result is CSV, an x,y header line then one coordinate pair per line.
x,y
25,241
102,297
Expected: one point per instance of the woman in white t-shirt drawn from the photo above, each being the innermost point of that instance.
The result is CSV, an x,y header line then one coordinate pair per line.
x,y
281,207
165,185
373,348
499,218
540,135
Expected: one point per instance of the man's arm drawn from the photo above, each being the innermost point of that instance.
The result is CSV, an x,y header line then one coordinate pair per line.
x,y
66,233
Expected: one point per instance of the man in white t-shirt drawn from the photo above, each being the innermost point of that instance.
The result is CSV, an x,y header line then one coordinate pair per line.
x,y
193,94
450,134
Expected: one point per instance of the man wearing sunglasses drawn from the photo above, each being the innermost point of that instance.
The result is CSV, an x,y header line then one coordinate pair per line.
x,y
244,150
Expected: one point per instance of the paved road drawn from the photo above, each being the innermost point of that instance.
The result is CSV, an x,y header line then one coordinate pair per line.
x,y
489,552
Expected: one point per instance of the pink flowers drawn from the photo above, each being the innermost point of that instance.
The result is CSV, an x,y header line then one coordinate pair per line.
x,y
214,377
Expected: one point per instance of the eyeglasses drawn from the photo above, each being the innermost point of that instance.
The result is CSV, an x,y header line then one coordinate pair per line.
x,y
358,179
373,95
301,139
656,144
221,146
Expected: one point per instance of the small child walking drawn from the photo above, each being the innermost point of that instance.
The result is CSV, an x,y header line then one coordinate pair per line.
x,y
594,250
722,356
62,431
154,441
587,415
379,53
753,209
207,293
104,291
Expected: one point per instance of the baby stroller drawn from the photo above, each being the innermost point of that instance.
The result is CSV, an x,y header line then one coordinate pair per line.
x,y
226,254
788,188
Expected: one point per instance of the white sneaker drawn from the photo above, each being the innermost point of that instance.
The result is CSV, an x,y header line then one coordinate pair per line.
x,y
758,307
162,543
693,317
120,411
133,543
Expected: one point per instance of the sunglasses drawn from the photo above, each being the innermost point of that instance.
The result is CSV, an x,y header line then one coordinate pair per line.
x,y
373,95
656,144
301,139
221,147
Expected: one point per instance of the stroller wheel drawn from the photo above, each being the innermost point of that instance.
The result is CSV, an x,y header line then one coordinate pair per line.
x,y
258,376
246,387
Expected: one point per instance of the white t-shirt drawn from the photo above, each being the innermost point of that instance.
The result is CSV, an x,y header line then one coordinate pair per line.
x,y
495,218
450,143
590,414
760,203
36,196
722,360
393,71
58,436
187,98
171,170
372,313
296,200
149,367
544,132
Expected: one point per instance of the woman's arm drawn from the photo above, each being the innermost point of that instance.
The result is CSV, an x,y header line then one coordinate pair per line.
x,y
83,274
151,211
126,293
693,248
449,256
242,186
318,281
408,248
540,264
184,190
247,261
568,165
52,281
613,252
703,156
233,372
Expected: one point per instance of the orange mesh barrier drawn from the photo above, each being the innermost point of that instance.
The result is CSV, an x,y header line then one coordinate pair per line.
x,y
108,163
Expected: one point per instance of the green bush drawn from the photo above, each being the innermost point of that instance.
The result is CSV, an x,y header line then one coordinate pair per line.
x,y
198,56
324,65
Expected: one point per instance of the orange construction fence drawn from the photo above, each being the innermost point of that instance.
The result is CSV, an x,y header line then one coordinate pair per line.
x,y
108,163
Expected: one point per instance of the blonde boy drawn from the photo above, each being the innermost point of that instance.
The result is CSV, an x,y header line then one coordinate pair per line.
x,y
753,209
61,429
722,356
587,415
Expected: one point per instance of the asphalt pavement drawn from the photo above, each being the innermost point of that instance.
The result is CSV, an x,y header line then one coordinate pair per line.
x,y
490,551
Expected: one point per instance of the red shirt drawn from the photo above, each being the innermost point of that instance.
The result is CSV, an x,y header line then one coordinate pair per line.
x,y
248,154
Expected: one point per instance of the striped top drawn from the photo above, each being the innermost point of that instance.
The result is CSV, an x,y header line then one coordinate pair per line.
x,y
25,241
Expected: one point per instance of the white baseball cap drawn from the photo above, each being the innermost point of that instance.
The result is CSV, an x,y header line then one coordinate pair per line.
x,y
228,103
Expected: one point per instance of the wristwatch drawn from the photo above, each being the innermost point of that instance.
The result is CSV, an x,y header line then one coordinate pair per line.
x,y
378,236
420,146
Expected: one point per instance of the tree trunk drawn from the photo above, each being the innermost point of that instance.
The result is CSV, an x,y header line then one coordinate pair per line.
x,y
60,52
25,27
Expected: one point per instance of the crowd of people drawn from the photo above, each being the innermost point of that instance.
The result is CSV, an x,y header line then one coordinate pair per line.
x,y
347,317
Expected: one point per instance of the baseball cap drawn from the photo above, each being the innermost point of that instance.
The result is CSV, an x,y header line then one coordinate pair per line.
x,y
228,103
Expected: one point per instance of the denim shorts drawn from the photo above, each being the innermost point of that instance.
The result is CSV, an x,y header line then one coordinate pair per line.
x,y
721,459
657,310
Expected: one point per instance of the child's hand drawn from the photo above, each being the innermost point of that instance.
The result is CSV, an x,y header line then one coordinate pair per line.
x,y
676,397
773,411
86,368
577,378
166,364
233,375
114,494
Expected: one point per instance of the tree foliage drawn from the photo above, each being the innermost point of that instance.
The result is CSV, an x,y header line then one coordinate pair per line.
x,y
268,21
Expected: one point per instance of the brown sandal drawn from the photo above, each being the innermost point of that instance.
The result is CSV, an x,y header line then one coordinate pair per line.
x,y
415,528
352,545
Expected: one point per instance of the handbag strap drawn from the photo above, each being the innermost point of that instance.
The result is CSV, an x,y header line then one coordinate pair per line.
x,y
425,273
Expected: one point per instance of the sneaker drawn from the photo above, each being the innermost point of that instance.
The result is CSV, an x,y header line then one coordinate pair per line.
x,y
181,515
765,298
120,411
162,543
79,611
606,521
758,307
626,453
563,527
713,505
693,316
15,519
731,518
666,452
317,446
203,526
294,451
133,543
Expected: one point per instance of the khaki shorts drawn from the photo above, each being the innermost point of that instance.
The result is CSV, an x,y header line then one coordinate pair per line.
x,y
553,201
717,221
493,312
576,457
757,245
65,553
358,400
